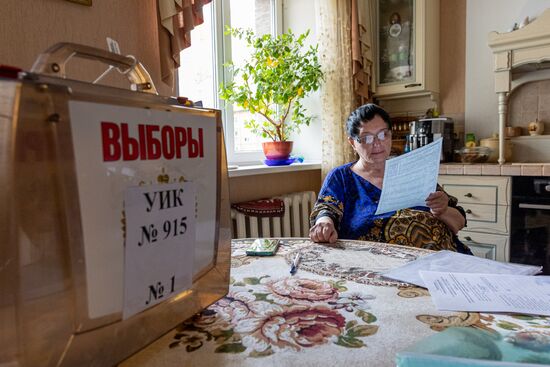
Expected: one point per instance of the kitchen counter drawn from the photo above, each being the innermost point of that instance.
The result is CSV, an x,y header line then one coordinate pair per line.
x,y
495,169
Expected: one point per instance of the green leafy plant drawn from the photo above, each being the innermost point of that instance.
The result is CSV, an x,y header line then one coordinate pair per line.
x,y
279,73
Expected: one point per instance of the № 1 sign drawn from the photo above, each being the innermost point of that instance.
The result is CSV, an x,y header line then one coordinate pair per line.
x,y
160,243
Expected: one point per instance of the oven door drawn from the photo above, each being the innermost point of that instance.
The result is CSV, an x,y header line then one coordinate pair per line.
x,y
530,227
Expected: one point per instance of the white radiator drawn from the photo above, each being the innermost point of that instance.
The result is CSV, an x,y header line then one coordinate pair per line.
x,y
294,223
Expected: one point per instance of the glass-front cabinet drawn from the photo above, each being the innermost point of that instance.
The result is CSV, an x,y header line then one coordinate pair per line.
x,y
407,40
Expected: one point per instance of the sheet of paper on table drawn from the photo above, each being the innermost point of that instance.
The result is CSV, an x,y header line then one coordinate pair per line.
x,y
489,292
410,178
454,262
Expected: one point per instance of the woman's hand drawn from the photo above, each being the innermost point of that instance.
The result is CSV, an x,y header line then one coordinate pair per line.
x,y
438,202
323,231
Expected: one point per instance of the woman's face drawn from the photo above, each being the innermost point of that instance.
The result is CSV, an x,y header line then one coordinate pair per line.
x,y
376,130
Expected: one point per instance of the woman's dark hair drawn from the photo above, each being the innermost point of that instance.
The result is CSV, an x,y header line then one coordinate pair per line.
x,y
365,113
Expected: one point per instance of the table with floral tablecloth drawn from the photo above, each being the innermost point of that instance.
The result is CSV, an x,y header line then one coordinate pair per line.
x,y
336,310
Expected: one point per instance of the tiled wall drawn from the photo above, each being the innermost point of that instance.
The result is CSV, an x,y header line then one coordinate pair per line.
x,y
529,102
492,169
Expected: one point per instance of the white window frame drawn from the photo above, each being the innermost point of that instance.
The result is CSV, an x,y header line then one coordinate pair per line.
x,y
222,54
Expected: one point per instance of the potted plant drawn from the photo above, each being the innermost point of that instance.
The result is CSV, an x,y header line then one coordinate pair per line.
x,y
271,84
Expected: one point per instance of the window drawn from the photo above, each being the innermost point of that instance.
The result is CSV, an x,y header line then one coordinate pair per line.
x,y
202,69
196,76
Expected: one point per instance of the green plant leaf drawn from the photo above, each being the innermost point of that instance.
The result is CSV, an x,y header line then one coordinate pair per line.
x,y
252,280
222,335
523,317
349,342
280,71
508,325
367,317
261,296
230,348
363,330
338,285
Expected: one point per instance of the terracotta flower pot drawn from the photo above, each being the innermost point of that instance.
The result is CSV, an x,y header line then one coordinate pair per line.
x,y
277,150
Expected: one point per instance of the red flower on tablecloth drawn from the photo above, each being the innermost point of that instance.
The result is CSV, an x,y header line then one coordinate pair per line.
x,y
260,316
293,327
299,291
536,340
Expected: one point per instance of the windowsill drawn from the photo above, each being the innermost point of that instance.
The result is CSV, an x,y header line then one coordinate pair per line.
x,y
262,169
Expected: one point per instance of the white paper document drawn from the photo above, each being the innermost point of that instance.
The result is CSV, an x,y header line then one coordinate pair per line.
x,y
454,262
160,243
489,292
410,178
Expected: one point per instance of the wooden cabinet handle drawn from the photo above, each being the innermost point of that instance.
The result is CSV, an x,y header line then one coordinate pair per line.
x,y
413,85
468,211
468,195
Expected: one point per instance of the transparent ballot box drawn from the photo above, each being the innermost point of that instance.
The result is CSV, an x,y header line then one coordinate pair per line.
x,y
114,222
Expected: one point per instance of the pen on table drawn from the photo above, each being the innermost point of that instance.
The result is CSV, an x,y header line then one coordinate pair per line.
x,y
294,265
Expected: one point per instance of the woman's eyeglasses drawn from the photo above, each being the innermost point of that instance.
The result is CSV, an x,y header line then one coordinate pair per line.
x,y
369,138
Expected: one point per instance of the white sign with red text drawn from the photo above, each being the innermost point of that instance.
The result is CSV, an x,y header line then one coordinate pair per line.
x,y
119,147
160,242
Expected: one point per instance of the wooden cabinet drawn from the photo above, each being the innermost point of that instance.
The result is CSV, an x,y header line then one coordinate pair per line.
x,y
487,245
407,43
487,202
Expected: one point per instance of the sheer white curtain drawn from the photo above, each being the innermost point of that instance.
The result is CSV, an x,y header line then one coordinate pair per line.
x,y
334,32
345,38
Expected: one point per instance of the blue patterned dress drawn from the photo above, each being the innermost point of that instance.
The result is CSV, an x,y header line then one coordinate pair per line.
x,y
351,202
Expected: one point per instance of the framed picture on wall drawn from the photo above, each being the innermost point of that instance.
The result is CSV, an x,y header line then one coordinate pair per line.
x,y
82,2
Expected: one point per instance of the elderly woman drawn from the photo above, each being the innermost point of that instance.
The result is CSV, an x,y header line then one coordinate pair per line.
x,y
349,196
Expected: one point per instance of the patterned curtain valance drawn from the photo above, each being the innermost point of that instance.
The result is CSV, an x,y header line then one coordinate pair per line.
x,y
176,19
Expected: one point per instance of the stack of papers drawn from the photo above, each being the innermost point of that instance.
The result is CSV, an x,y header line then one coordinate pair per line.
x,y
460,282
489,292
449,261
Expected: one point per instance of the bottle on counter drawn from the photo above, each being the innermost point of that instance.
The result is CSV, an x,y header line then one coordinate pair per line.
x,y
407,147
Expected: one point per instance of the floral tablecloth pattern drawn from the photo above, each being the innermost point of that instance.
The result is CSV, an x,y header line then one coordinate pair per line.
x,y
336,310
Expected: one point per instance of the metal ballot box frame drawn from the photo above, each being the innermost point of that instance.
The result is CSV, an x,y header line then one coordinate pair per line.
x,y
73,159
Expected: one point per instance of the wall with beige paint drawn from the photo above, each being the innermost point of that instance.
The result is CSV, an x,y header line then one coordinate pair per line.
x,y
273,184
29,27
452,60
452,46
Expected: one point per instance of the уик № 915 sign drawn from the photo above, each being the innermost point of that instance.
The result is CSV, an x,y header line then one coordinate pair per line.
x,y
160,242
